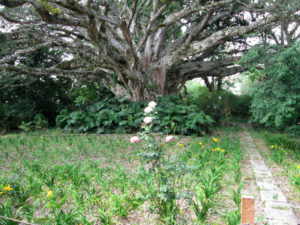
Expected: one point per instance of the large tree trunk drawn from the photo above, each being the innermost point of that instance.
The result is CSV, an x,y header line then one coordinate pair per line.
x,y
135,48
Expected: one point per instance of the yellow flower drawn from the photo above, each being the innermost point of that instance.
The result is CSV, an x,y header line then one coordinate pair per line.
x,y
298,166
218,149
1,192
49,194
298,175
213,150
200,143
7,188
215,140
180,145
223,150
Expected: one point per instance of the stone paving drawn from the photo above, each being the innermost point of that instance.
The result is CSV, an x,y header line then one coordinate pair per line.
x,y
277,210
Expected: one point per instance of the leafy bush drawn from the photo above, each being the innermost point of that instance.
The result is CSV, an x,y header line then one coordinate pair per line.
x,y
45,96
275,86
118,115
175,117
219,104
39,122
23,96
109,115
12,115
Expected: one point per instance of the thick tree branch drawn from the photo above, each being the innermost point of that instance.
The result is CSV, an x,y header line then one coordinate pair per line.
x,y
13,3
215,39
18,53
191,67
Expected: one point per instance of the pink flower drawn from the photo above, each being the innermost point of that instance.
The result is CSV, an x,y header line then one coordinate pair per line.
x,y
169,138
134,139
148,109
148,120
152,104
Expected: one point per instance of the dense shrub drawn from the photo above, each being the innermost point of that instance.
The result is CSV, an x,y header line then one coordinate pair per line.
x,y
44,96
118,115
174,116
24,96
219,104
275,86
109,115
39,122
12,115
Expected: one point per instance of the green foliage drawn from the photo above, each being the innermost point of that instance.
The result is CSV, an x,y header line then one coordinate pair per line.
x,y
282,140
116,115
209,187
110,115
219,104
38,122
99,179
280,145
233,217
173,116
276,86
24,96
7,211
284,150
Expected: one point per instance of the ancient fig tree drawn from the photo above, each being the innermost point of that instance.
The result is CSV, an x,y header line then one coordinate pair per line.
x,y
142,48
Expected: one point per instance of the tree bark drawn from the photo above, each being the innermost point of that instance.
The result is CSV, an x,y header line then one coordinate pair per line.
x,y
128,47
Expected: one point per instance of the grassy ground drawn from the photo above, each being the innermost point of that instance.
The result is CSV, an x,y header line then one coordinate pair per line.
x,y
282,155
283,151
52,178
100,179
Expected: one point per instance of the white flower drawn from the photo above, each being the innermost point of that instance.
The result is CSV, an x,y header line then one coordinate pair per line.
x,y
134,139
169,138
148,119
148,109
152,104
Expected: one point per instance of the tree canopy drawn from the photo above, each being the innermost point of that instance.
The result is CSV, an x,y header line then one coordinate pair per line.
x,y
142,48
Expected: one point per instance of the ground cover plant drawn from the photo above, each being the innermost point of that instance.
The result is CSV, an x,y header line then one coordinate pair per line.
x,y
284,151
104,179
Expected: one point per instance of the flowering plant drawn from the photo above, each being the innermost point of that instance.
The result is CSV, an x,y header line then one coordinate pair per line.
x,y
163,196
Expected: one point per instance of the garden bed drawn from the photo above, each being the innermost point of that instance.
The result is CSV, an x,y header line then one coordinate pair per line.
x,y
91,179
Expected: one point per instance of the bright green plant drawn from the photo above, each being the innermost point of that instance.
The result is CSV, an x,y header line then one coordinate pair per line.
x,y
209,186
98,179
233,217
162,171
118,115
237,196
220,104
6,210
276,85
285,151
39,122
